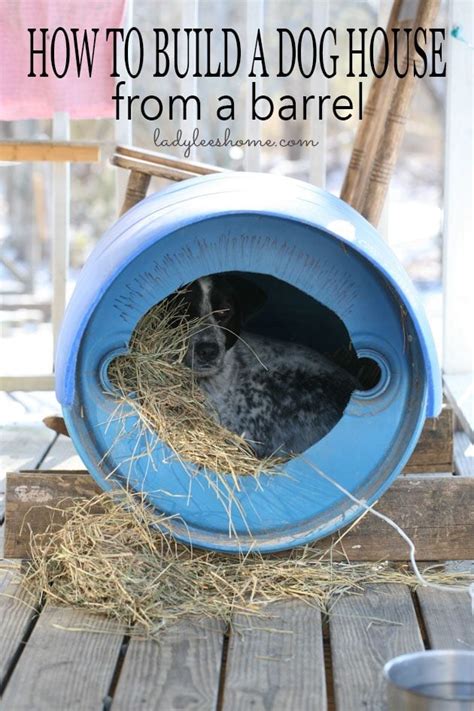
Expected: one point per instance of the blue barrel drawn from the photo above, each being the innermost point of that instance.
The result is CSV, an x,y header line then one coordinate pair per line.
x,y
296,239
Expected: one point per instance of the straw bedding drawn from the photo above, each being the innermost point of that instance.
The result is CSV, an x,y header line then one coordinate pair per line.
x,y
110,558
153,383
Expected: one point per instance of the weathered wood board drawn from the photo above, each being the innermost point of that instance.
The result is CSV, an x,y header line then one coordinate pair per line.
x,y
434,451
436,512
17,611
448,618
267,654
68,663
365,632
36,500
184,664
49,151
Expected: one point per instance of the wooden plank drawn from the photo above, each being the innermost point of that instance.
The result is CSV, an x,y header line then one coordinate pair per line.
x,y
434,451
179,671
11,383
190,166
17,611
68,663
463,455
439,532
448,618
365,632
436,512
148,168
30,500
55,151
34,502
276,662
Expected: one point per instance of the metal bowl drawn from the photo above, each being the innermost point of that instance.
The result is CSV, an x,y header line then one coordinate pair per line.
x,y
441,680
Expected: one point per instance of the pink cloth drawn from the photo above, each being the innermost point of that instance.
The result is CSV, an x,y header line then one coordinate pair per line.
x,y
23,97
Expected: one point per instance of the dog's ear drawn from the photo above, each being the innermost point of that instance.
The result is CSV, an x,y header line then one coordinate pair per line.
x,y
249,297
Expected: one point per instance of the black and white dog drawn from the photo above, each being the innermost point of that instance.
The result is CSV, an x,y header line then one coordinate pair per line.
x,y
282,397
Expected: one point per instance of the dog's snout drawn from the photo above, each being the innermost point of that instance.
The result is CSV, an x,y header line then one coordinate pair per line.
x,y
206,352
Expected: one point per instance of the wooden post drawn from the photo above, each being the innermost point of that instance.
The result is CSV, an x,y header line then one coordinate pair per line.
x,y
60,231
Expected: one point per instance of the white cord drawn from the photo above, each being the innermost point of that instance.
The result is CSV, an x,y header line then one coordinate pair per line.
x,y
444,588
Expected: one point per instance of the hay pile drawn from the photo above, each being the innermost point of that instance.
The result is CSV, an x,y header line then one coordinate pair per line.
x,y
153,383
117,563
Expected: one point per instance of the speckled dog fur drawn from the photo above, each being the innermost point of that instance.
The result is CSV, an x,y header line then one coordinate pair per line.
x,y
282,397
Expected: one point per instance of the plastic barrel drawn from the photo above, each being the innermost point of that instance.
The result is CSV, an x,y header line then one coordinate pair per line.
x,y
308,242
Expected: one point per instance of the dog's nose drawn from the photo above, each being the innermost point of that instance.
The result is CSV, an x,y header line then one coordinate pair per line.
x,y
206,352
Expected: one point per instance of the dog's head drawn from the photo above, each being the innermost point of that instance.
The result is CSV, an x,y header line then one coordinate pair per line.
x,y
225,303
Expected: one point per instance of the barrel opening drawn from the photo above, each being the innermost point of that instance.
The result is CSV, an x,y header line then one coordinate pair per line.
x,y
286,356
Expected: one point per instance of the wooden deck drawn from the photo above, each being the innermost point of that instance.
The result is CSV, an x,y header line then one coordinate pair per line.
x,y
56,658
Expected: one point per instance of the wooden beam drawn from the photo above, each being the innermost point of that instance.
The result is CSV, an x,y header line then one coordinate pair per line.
x,y
148,168
436,512
52,151
434,451
61,224
26,383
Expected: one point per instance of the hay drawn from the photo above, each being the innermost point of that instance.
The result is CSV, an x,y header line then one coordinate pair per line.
x,y
153,383
109,558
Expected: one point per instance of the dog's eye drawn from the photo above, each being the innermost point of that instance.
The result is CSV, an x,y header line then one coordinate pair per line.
x,y
222,312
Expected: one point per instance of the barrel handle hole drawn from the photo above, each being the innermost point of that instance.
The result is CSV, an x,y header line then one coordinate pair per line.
x,y
373,374
369,373
108,372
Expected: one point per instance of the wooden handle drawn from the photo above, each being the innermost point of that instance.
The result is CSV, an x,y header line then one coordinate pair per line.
x,y
139,165
394,128
162,159
137,187
370,128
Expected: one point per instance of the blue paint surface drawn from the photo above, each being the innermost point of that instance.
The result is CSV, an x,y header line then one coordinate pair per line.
x,y
307,238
